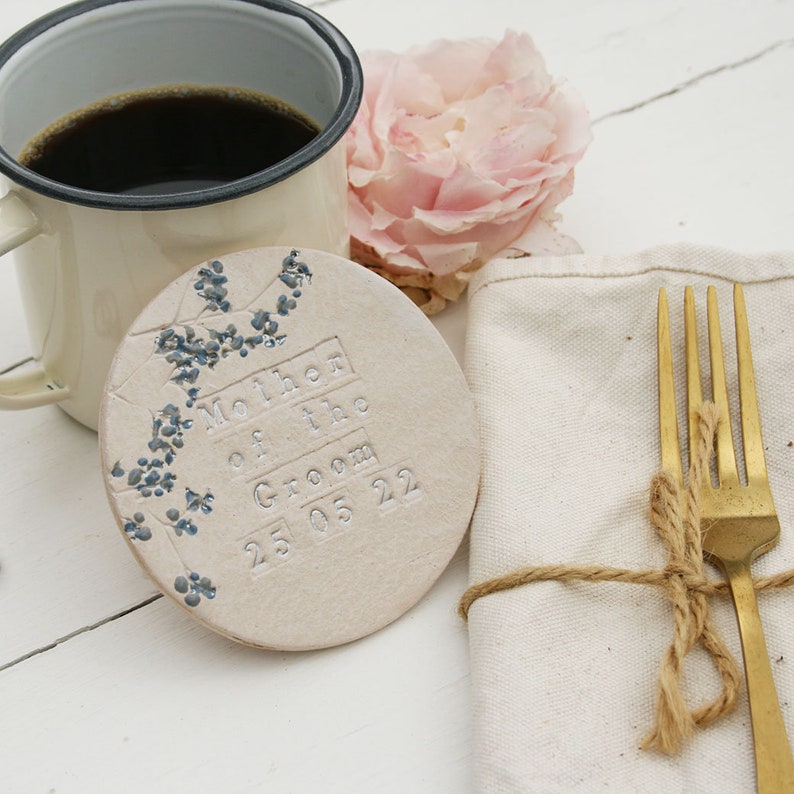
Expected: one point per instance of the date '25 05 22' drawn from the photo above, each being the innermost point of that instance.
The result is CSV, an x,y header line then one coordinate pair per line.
x,y
326,516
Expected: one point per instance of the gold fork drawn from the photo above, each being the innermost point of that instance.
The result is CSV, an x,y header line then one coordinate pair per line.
x,y
738,522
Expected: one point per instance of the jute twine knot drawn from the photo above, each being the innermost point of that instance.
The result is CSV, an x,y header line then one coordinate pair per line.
x,y
675,514
676,517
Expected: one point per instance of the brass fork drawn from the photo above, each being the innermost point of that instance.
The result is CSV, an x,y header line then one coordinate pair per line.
x,y
738,522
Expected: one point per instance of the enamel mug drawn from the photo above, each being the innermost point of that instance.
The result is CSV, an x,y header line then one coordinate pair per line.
x,y
89,261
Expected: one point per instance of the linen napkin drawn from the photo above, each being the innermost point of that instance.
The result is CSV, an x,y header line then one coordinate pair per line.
x,y
561,358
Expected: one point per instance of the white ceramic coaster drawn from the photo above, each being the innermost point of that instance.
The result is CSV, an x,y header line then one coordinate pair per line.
x,y
289,447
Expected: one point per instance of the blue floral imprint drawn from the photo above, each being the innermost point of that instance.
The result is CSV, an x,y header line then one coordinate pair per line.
x,y
193,587
195,502
150,476
181,523
189,353
135,529
210,286
294,273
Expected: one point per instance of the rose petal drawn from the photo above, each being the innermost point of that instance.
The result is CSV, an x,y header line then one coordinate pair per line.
x,y
454,65
513,58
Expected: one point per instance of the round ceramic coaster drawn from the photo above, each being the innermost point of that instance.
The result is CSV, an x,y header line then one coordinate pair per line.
x,y
289,447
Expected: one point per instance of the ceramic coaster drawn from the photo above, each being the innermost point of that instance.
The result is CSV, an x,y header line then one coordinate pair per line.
x,y
289,447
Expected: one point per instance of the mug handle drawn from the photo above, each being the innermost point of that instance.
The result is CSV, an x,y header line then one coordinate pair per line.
x,y
33,386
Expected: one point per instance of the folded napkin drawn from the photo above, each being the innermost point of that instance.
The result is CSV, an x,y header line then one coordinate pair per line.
x,y
561,358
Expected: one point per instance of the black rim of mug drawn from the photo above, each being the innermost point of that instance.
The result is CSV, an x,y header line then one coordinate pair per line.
x,y
352,88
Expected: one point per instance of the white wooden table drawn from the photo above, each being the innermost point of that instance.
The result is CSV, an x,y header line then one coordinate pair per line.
x,y
106,687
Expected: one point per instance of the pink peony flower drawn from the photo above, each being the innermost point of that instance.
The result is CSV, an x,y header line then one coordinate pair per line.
x,y
460,152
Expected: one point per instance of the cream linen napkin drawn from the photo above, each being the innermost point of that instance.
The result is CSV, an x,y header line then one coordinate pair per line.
x,y
561,359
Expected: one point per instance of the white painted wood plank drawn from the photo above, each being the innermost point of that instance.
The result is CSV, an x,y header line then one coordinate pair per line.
x,y
63,562
616,53
157,703
713,164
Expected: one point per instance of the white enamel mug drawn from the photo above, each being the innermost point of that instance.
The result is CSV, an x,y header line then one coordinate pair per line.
x,y
87,261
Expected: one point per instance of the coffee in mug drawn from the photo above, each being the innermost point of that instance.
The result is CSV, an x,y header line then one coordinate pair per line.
x,y
169,139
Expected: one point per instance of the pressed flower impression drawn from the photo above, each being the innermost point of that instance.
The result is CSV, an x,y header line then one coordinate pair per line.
x,y
270,442
461,151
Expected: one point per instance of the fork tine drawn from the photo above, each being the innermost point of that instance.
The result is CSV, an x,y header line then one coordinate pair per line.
x,y
668,415
723,442
755,461
694,392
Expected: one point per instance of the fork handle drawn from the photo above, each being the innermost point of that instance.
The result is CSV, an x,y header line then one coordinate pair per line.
x,y
773,759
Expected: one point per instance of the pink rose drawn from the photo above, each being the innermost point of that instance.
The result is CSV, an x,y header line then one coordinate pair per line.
x,y
460,152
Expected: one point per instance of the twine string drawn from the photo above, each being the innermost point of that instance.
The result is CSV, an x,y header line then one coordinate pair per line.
x,y
675,514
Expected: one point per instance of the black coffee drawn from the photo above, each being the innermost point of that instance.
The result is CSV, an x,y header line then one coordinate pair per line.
x,y
168,140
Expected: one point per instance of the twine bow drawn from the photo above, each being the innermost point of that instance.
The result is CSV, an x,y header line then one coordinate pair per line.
x,y
676,517
675,514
